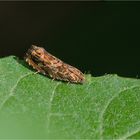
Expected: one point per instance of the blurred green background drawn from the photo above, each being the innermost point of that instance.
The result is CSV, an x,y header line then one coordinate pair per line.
x,y
96,37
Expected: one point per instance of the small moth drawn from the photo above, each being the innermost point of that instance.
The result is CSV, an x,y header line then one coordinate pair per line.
x,y
51,66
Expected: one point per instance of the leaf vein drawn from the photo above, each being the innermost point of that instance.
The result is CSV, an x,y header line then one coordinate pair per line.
x,y
128,134
101,117
12,90
50,106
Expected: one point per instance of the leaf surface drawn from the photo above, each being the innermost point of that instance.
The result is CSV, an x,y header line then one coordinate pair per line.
x,y
34,106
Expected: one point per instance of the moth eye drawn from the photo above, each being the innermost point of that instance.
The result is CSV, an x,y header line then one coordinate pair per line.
x,y
39,52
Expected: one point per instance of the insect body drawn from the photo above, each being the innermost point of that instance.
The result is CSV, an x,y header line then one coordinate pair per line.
x,y
49,65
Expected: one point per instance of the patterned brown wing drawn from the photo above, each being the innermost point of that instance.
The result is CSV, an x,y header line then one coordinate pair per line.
x,y
50,65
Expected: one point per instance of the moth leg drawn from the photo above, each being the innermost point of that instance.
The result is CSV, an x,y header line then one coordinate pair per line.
x,y
52,79
36,72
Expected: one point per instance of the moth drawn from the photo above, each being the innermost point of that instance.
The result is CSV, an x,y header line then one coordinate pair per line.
x,y
51,66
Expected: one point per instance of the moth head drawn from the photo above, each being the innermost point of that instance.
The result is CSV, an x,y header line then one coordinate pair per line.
x,y
37,51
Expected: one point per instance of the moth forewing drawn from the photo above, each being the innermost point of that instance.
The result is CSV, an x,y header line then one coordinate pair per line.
x,y
50,65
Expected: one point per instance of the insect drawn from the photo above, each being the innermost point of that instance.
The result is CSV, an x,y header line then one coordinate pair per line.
x,y
51,66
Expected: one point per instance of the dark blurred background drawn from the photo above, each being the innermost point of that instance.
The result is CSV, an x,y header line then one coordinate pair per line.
x,y
96,37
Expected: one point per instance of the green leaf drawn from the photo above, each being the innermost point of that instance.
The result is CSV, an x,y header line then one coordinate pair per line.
x,y
34,106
